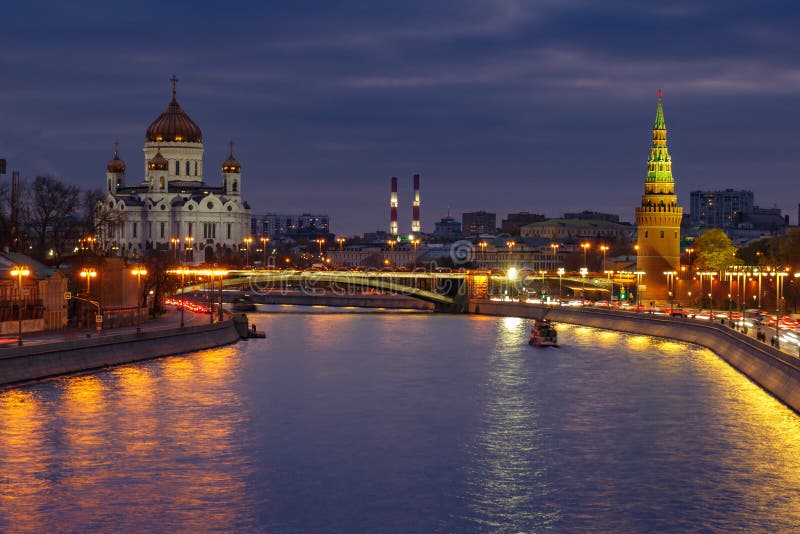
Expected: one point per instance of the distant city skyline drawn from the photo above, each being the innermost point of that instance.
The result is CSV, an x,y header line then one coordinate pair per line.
x,y
504,106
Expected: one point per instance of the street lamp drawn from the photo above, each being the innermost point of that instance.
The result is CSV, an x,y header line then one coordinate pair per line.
x,y
415,242
584,271
512,276
138,272
778,301
543,272
689,252
611,283
560,272
341,241
639,275
510,245
183,294
175,241
671,288
19,272
555,246
585,247
88,273
320,242
247,241
711,275
264,241
604,249
189,248
483,245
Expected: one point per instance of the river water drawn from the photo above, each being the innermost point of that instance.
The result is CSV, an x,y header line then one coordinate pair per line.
x,y
352,422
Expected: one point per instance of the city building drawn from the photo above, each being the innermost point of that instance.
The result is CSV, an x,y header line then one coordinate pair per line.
x,y
478,222
577,229
447,228
735,212
42,295
173,206
512,223
276,226
658,218
592,215
718,209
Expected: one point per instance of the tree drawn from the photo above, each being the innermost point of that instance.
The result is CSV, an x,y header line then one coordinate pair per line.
x,y
715,251
53,206
158,262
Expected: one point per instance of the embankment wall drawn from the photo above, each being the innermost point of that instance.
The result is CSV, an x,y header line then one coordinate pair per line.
x,y
35,362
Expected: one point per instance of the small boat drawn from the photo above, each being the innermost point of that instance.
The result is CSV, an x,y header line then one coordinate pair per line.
x,y
543,334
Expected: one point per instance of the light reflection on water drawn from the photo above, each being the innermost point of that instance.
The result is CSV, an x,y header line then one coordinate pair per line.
x,y
403,422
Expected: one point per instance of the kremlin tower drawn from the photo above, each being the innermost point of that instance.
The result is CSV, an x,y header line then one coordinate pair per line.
x,y
658,218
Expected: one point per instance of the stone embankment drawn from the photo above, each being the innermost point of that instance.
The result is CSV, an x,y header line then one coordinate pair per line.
x,y
775,371
35,362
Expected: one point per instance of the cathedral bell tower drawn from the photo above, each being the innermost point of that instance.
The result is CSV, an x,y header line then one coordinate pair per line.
x,y
232,175
157,170
115,171
658,219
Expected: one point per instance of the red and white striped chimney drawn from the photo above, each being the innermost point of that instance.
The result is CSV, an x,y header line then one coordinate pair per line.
x,y
415,224
393,228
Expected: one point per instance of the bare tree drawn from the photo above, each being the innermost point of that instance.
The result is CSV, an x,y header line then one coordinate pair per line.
x,y
53,214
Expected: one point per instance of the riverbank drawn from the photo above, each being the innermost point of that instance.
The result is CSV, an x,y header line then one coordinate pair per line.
x,y
773,370
36,362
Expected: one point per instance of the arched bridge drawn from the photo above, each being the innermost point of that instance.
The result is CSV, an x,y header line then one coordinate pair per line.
x,y
445,290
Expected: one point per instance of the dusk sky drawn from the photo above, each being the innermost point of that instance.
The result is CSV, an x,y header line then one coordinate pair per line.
x,y
505,105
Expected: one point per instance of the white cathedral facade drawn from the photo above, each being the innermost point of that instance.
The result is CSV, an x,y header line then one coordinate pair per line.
x,y
173,208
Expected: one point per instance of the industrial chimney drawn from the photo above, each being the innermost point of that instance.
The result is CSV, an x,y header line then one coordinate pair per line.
x,y
416,227
393,228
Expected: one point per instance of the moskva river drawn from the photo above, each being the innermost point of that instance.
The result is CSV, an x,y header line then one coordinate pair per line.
x,y
353,422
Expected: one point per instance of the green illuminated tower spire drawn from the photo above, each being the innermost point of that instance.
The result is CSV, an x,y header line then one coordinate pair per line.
x,y
658,219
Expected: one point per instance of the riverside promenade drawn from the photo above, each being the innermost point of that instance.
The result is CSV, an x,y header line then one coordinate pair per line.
x,y
66,351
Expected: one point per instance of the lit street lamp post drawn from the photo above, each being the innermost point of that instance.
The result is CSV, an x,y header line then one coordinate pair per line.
x,y
560,272
19,272
88,273
175,241
584,271
555,246
483,245
611,284
183,294
639,275
585,247
189,248
264,241
779,300
247,241
604,249
671,288
138,272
